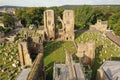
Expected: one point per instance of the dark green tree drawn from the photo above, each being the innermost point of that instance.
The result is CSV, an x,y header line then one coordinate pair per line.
x,y
8,20
114,23
30,16
83,16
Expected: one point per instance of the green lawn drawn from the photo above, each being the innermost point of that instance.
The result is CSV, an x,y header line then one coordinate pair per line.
x,y
54,52
105,50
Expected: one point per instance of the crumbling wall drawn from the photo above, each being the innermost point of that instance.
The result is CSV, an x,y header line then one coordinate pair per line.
x,y
100,75
49,25
37,71
24,55
67,31
100,26
86,51
68,19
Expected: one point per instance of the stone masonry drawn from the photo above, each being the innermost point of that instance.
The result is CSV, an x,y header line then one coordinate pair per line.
x,y
67,31
100,26
49,25
68,19
24,56
86,51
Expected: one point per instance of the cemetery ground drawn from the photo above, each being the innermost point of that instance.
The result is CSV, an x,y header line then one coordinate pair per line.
x,y
9,61
54,51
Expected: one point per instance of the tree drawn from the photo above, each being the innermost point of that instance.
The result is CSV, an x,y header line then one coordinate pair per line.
x,y
30,16
117,28
8,20
83,16
114,23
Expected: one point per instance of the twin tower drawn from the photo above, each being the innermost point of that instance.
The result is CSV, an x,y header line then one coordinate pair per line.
x,y
67,30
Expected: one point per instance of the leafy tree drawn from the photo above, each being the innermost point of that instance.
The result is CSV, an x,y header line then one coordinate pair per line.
x,y
117,28
114,23
30,16
8,20
83,16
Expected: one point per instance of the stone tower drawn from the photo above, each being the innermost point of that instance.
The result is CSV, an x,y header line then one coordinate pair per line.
x,y
68,19
49,25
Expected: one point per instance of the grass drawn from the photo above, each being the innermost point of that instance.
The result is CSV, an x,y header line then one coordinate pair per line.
x,y
55,52
105,50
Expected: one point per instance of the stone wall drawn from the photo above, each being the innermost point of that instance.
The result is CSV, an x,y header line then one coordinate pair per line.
x,y
24,55
68,19
100,26
49,24
100,75
67,31
86,51
31,55
37,71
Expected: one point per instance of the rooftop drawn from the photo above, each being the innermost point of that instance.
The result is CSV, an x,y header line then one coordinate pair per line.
x,y
113,37
24,74
111,70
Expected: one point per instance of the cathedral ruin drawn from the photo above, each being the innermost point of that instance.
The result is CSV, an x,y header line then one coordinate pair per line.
x,y
49,24
67,31
31,50
31,47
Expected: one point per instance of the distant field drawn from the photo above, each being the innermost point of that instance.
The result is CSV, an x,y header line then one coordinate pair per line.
x,y
105,50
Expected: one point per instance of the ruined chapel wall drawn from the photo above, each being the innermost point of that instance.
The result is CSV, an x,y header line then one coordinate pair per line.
x,y
49,25
24,56
100,26
86,51
37,72
68,19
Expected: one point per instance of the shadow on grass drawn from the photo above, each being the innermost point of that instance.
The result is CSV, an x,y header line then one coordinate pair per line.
x,y
79,32
49,71
51,46
97,63
115,58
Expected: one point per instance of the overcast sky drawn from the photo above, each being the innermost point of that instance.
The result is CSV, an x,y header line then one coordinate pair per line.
x,y
47,3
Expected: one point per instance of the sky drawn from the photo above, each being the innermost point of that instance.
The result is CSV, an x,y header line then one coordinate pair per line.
x,y
48,3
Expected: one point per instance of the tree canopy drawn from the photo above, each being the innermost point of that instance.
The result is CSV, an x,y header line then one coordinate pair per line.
x,y
84,16
114,23
30,16
8,20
